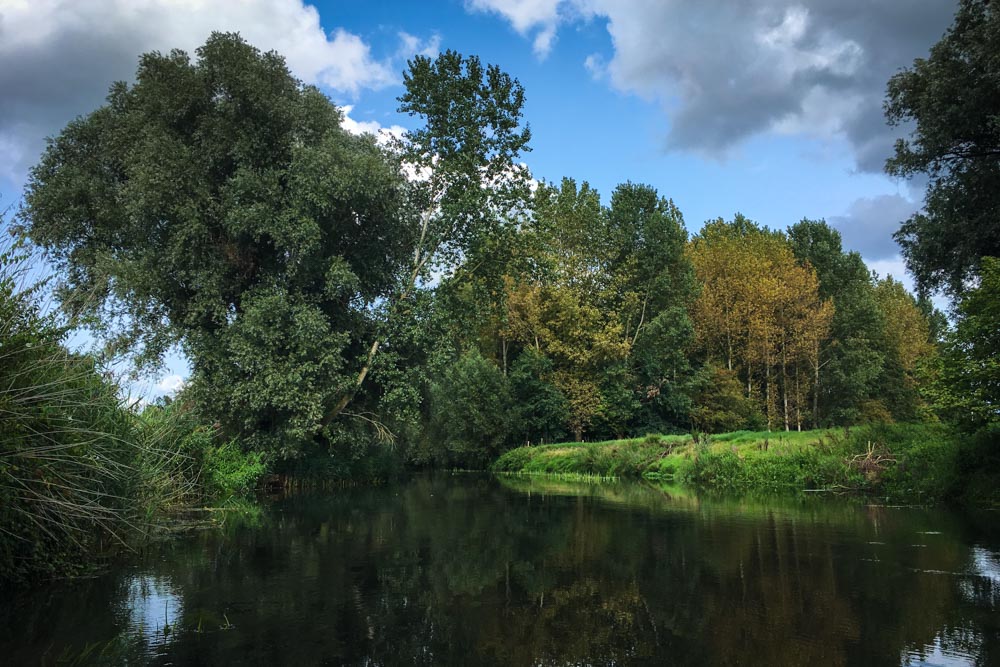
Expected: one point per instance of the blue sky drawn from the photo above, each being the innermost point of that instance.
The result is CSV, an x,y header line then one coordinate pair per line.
x,y
767,107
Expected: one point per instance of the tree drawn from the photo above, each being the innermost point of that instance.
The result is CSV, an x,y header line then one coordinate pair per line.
x,y
464,167
907,345
540,410
952,98
471,408
652,286
760,314
850,362
721,405
218,204
968,386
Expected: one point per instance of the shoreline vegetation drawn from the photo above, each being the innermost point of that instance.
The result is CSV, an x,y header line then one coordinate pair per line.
x,y
921,463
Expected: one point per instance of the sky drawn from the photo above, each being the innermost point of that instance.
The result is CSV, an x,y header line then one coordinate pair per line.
x,y
770,108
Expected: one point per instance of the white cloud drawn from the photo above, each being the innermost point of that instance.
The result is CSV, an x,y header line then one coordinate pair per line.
x,y
725,71
594,63
170,384
60,56
384,134
524,15
410,45
540,17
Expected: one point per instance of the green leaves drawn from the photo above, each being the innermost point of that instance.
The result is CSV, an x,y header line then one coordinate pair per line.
x,y
952,101
218,204
465,155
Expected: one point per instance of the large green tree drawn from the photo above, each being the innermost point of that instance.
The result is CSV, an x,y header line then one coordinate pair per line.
x,y
952,101
852,360
218,204
465,177
967,390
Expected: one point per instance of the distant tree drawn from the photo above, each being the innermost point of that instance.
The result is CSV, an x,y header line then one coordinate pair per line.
x,y
851,361
540,411
761,315
952,98
907,345
721,404
652,287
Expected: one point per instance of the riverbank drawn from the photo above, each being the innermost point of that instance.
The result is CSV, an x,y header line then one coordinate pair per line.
x,y
901,462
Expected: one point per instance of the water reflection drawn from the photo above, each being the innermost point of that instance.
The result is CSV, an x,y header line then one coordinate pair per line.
x,y
474,570
151,609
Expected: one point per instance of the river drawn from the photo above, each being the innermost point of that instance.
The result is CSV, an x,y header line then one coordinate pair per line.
x,y
475,570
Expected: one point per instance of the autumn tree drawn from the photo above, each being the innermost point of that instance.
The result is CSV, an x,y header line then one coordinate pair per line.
x,y
760,314
605,298
907,344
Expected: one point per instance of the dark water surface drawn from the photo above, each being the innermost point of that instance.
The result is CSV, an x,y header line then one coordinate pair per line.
x,y
461,569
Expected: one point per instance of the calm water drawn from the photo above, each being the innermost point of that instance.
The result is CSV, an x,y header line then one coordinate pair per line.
x,y
474,570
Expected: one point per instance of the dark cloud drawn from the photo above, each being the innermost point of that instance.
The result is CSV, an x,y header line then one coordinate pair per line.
x,y
870,223
726,70
817,68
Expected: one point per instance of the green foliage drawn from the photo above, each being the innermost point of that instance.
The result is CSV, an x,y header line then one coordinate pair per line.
x,y
540,409
215,203
922,460
66,451
979,466
721,405
853,358
966,386
471,411
905,462
228,471
468,147
950,98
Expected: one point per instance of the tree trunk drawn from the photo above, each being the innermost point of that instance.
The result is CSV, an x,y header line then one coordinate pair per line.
x,y
784,382
349,396
816,389
798,400
503,348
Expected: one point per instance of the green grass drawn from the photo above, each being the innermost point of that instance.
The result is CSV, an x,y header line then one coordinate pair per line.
x,y
905,462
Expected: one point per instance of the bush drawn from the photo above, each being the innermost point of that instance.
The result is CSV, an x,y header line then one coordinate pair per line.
x,y
228,471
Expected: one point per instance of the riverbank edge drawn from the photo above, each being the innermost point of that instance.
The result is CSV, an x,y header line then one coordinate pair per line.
x,y
902,462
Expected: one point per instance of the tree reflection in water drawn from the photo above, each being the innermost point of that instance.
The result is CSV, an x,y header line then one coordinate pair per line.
x,y
475,570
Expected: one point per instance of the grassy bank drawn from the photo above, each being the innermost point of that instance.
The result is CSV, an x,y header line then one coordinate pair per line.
x,y
905,462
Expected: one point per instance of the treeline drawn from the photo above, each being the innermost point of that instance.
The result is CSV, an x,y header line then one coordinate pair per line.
x,y
362,302
593,322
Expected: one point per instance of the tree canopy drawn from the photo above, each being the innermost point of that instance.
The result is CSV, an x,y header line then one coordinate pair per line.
x,y
218,204
951,99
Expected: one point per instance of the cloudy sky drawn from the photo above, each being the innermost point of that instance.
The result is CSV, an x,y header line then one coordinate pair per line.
x,y
772,108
